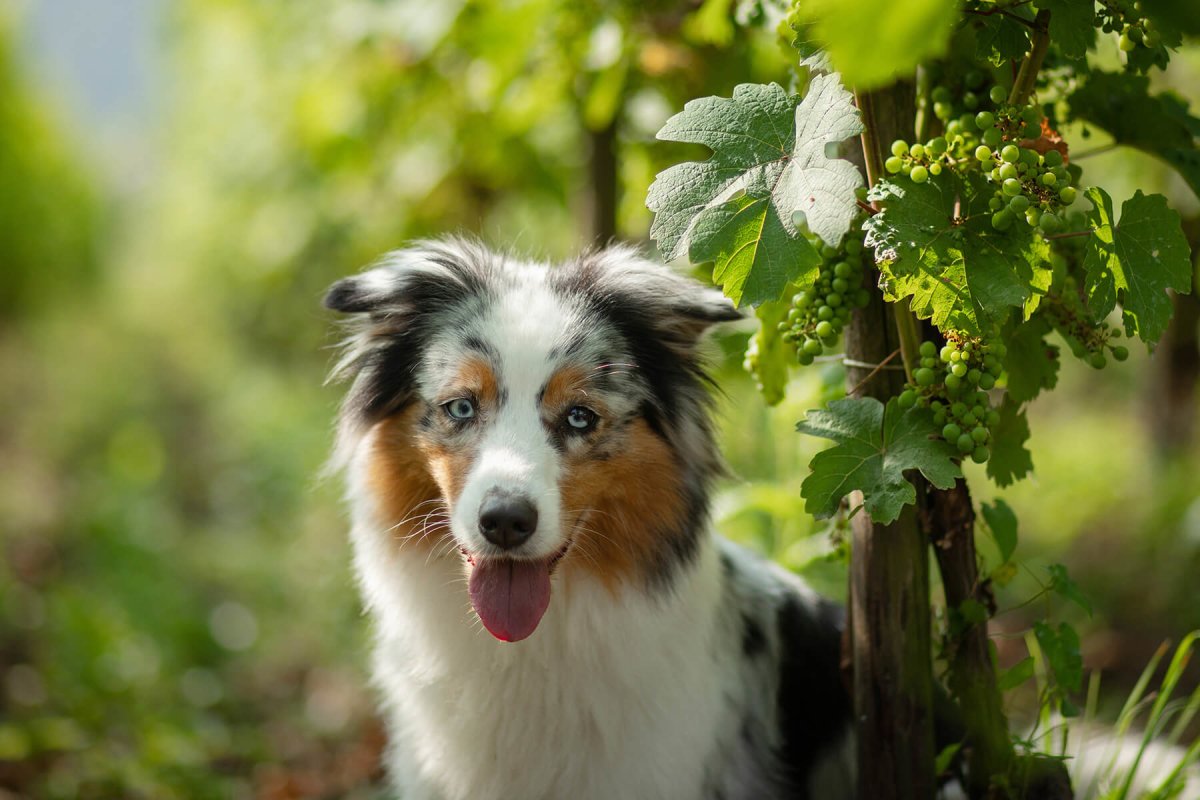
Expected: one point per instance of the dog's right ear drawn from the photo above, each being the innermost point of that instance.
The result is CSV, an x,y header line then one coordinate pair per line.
x,y
424,277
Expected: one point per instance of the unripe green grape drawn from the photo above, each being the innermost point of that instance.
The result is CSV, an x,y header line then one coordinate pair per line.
x,y
924,376
929,362
967,122
842,269
979,434
907,399
985,120
1048,179
917,151
1032,115
993,418
958,369
804,358
970,100
945,352
937,145
928,349
940,94
920,174
1018,204
1028,157
840,285
813,346
1049,223
1002,220
956,355
998,95
965,443
1033,216
1126,43
935,168
980,454
893,164
1010,153
974,374
992,137
995,203
1011,187
958,408
982,153
943,110
1067,194
833,299
1007,171
1120,353
1151,39
939,417
899,147
824,313
953,382
1053,158
999,349
1098,360
951,432
987,381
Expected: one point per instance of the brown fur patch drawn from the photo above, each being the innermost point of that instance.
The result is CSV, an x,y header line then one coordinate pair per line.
x,y
634,497
565,387
399,478
476,377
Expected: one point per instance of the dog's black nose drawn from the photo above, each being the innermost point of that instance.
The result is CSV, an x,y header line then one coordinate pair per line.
x,y
507,520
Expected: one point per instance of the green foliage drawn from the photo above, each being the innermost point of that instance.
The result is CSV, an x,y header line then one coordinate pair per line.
x,y
738,207
1010,459
876,41
1136,261
1002,522
875,447
1158,124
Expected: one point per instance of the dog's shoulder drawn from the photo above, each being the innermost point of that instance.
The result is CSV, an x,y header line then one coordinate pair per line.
x,y
794,636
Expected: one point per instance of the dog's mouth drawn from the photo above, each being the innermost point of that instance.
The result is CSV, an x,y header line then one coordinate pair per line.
x,y
510,595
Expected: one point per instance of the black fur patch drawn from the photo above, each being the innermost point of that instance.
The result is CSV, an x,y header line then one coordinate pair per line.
x,y
754,641
814,708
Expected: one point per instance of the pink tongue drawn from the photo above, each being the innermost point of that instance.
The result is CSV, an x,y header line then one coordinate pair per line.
x,y
509,596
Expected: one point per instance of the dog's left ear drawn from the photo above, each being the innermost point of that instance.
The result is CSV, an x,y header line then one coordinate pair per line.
x,y
678,308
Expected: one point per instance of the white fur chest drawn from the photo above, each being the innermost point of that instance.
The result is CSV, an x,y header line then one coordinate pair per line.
x,y
611,697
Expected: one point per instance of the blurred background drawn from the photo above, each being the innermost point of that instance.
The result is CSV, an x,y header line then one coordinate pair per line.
x,y
181,179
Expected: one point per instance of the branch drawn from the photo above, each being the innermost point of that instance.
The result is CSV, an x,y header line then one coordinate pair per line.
x,y
1023,85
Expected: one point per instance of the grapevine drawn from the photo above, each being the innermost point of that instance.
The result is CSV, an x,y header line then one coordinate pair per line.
x,y
819,313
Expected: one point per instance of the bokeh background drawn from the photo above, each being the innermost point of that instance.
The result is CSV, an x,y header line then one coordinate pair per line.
x,y
180,180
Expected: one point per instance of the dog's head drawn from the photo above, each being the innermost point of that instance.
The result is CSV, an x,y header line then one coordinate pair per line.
x,y
540,416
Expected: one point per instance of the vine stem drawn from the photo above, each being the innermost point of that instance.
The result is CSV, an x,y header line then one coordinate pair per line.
x,y
906,323
1027,76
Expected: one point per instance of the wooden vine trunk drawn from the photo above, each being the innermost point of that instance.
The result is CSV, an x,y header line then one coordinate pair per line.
x,y
889,578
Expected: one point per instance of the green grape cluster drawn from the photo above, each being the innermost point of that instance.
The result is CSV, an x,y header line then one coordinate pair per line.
x,y
1126,17
1088,341
953,382
1031,187
819,313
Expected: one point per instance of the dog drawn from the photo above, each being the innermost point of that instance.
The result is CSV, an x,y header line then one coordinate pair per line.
x,y
529,460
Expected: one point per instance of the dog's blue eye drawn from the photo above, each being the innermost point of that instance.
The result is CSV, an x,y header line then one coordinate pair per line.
x,y
580,418
461,409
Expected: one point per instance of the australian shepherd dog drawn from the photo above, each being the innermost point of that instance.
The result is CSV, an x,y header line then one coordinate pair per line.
x,y
529,461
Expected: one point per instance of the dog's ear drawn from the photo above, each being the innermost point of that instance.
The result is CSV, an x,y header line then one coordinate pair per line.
x,y
421,278
678,309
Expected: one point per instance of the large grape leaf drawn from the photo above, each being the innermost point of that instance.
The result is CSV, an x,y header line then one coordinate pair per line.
x,y
934,242
872,42
1010,460
1031,362
1000,38
1072,25
768,165
875,446
1136,261
1160,125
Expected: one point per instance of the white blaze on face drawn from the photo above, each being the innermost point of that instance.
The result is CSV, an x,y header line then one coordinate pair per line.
x,y
511,590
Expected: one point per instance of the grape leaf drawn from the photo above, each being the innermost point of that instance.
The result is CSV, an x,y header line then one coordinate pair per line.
x,y
872,42
1031,362
1010,461
1072,26
1136,261
999,37
1062,585
934,242
768,165
1060,646
1159,125
1015,675
1002,522
875,446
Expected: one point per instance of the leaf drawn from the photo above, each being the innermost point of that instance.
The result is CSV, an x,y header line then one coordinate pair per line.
x,y
872,42
1159,125
1060,646
934,242
1031,363
1136,261
999,38
768,165
945,759
1061,584
875,446
1072,26
1002,522
1010,460
1015,675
